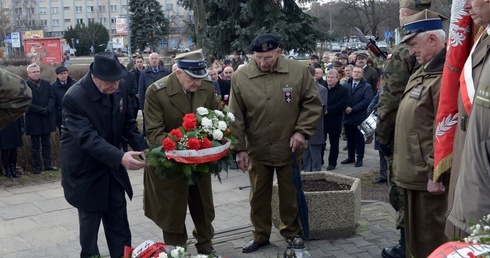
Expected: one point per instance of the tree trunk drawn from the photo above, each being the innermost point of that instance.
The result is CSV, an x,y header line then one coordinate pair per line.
x,y
200,24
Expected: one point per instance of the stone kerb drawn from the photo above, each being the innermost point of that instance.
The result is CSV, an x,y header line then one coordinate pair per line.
x,y
331,214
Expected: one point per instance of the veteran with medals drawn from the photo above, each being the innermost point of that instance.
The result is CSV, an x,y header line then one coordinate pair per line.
x,y
277,107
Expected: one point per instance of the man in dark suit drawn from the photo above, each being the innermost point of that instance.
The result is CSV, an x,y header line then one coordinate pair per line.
x,y
356,112
40,120
337,101
62,83
370,74
96,117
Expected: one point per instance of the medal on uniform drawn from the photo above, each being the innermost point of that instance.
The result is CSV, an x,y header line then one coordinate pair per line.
x,y
288,94
121,105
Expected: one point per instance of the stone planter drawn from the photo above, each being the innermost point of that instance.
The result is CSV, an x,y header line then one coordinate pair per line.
x,y
331,214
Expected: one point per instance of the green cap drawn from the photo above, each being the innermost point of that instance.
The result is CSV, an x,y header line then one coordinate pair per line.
x,y
425,20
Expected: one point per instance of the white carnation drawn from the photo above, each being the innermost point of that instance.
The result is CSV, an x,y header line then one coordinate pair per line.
x,y
222,125
231,116
206,122
162,255
202,111
219,113
217,134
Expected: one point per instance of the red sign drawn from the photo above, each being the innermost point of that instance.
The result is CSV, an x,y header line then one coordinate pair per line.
x,y
45,50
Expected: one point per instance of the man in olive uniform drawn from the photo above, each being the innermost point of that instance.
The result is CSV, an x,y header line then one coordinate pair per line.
x,y
425,201
277,107
397,71
16,98
166,200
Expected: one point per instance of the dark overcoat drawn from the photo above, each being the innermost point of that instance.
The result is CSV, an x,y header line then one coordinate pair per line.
x,y
40,115
11,135
90,148
359,99
59,92
147,77
337,101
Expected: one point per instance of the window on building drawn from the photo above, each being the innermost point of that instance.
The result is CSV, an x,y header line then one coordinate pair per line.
x,y
101,8
170,7
90,9
91,20
102,20
55,22
67,20
54,9
18,10
113,8
31,23
79,21
43,22
124,7
66,8
30,10
42,10
78,9
113,20
113,31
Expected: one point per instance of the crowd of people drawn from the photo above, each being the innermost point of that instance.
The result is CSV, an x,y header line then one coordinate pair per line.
x,y
300,108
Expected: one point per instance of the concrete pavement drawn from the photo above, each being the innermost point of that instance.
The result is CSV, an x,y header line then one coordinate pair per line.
x,y
36,221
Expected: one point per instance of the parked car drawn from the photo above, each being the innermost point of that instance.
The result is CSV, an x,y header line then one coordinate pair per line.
x,y
382,46
335,47
352,45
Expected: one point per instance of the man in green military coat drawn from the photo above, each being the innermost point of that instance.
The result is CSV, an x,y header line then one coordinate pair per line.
x,y
277,107
166,200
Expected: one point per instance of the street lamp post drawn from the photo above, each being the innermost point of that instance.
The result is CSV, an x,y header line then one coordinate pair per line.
x,y
129,31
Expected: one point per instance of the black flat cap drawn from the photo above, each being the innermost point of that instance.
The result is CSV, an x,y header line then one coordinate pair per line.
x,y
264,43
60,69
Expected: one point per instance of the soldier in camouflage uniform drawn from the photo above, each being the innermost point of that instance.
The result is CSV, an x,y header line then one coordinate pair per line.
x,y
396,73
15,97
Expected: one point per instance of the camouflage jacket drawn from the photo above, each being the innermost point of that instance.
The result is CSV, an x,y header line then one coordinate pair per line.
x,y
396,73
15,97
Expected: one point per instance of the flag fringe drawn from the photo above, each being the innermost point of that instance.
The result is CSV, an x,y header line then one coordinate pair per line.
x,y
443,166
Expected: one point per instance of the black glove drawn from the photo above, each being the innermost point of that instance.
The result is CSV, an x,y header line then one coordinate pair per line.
x,y
44,112
387,149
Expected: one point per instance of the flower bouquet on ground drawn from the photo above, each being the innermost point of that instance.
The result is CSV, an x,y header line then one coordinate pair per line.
x,y
476,245
152,249
200,145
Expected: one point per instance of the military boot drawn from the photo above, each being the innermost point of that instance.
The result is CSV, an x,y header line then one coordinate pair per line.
x,y
397,251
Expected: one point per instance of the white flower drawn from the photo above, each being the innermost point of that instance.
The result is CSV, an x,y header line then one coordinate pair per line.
x,y
206,122
217,134
219,113
201,256
231,116
202,111
178,252
222,125
163,255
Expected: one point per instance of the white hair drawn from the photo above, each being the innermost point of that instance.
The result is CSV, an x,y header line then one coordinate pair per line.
x,y
32,65
440,35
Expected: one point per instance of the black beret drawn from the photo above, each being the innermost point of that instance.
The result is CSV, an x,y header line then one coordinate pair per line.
x,y
60,69
227,62
264,43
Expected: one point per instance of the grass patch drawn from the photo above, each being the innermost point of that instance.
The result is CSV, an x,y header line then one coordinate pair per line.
x,y
30,179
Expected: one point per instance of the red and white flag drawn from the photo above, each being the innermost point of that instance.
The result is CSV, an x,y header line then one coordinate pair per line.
x,y
458,49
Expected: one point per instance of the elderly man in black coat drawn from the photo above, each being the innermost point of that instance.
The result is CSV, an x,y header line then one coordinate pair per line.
x,y
96,116
62,83
40,120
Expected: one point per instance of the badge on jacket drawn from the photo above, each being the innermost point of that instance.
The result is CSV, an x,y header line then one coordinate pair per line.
x,y
288,94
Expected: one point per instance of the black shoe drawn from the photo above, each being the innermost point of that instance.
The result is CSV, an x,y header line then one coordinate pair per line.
x,y
330,167
50,168
396,251
211,252
348,161
379,180
253,246
358,163
37,170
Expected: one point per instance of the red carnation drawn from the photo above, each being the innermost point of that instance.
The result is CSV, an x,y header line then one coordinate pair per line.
x,y
168,144
205,143
177,134
190,122
193,144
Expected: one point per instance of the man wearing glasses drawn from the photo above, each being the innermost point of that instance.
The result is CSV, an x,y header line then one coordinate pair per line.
x,y
277,107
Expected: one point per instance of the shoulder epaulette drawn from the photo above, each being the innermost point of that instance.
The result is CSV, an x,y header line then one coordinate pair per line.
x,y
159,85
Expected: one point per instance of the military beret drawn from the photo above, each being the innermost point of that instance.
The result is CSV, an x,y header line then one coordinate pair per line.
x,y
418,5
337,64
425,20
227,62
361,55
60,69
264,43
193,64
